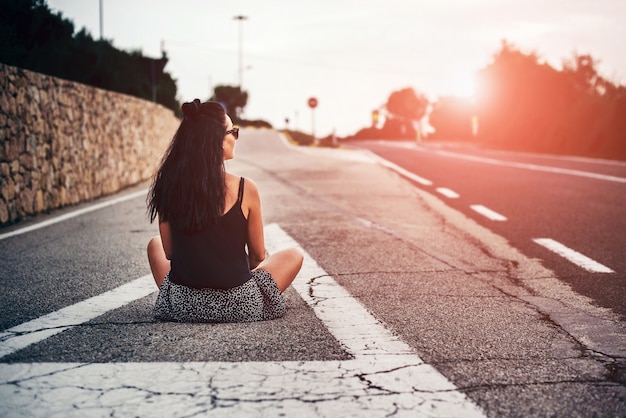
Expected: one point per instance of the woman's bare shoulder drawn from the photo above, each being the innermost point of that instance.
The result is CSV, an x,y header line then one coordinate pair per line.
x,y
251,191
251,184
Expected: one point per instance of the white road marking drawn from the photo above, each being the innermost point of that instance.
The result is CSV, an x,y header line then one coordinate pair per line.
x,y
448,193
73,214
573,256
436,147
385,377
369,387
405,173
358,331
39,329
485,211
534,167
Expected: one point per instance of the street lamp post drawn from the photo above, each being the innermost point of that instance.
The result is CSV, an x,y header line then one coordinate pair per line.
x,y
240,18
100,19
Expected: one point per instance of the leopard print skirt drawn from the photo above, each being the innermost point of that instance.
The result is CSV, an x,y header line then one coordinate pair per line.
x,y
258,299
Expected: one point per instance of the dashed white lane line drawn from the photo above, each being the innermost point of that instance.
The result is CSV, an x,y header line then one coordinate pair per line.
x,y
573,256
74,214
577,258
385,377
451,194
404,172
488,213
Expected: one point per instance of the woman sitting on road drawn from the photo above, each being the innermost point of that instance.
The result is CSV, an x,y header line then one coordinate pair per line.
x,y
207,217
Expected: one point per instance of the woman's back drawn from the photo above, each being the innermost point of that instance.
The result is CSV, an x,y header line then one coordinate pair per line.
x,y
214,256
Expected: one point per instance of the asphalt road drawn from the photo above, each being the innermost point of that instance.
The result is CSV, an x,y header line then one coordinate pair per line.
x,y
578,202
405,306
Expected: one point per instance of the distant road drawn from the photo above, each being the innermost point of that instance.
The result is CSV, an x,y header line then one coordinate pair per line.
x,y
568,212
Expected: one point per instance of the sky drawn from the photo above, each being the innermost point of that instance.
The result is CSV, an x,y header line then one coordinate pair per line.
x,y
348,54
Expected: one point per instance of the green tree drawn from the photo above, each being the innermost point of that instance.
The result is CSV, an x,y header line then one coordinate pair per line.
x,y
232,98
406,104
34,38
404,109
525,104
581,70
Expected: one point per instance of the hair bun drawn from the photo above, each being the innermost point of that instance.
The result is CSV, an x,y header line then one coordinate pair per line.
x,y
191,109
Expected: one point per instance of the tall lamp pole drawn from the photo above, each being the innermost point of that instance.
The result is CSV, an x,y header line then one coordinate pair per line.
x,y
240,18
100,19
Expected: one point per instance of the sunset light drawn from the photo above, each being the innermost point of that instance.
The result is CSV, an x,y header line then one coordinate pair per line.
x,y
464,85
317,209
351,57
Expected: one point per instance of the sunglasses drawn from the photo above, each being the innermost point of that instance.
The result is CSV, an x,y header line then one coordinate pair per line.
x,y
234,131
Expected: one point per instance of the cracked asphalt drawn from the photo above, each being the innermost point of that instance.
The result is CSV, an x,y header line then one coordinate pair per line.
x,y
457,300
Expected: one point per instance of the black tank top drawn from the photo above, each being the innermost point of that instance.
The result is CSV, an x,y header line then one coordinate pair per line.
x,y
214,257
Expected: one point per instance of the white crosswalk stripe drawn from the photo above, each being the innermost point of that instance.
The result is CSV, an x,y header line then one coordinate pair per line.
x,y
384,377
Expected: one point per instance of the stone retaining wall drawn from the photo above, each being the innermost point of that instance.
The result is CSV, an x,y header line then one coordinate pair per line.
x,y
62,142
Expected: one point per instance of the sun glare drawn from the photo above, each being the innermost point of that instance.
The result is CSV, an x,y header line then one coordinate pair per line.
x,y
464,85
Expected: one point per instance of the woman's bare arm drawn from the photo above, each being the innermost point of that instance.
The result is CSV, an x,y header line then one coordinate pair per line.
x,y
166,238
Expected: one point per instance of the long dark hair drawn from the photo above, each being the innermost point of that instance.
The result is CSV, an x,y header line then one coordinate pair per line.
x,y
189,187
